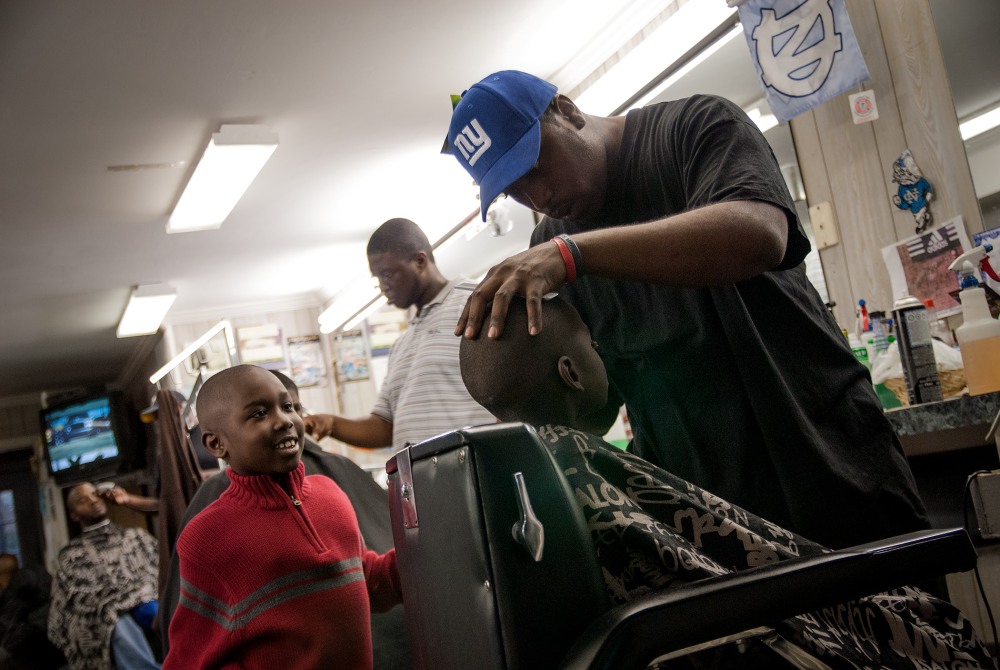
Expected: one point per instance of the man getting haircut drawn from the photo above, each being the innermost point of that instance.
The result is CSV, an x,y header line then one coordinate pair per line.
x,y
653,530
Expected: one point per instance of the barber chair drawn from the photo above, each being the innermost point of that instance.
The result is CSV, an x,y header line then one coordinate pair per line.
x,y
498,570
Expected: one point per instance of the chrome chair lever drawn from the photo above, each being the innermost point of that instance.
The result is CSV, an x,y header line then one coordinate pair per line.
x,y
529,531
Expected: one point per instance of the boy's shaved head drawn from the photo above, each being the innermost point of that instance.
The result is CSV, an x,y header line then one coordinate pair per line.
x,y
214,394
552,377
498,372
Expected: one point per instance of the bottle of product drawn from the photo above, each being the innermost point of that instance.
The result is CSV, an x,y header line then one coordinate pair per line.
x,y
877,340
863,324
859,350
979,335
916,351
888,397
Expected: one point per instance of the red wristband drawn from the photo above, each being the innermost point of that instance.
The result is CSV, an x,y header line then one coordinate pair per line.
x,y
567,257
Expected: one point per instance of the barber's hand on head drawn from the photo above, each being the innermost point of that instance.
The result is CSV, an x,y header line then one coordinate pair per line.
x,y
319,425
531,273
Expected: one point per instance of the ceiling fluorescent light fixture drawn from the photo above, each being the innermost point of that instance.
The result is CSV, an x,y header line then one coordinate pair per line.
x,y
330,323
667,43
764,121
685,69
194,346
147,306
369,309
978,125
234,157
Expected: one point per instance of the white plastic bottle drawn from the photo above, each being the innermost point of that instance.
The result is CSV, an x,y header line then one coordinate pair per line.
x,y
979,335
859,350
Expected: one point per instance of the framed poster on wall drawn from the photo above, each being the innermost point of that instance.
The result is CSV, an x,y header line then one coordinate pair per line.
x,y
305,359
351,353
262,345
918,265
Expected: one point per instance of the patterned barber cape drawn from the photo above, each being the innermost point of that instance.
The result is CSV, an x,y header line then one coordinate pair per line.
x,y
653,530
102,575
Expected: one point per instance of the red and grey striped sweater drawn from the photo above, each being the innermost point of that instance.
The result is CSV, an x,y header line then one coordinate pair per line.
x,y
266,583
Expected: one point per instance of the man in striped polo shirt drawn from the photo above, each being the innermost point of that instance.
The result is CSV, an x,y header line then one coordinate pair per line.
x,y
423,394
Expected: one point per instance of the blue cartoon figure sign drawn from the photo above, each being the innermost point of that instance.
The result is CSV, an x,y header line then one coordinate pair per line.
x,y
914,191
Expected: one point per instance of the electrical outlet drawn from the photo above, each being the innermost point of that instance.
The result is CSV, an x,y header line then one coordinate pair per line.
x,y
985,493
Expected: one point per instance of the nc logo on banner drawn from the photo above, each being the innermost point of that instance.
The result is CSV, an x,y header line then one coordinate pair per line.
x,y
804,51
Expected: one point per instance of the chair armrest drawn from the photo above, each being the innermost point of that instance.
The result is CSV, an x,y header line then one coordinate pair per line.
x,y
631,635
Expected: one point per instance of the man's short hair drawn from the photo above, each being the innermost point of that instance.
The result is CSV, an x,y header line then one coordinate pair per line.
x,y
515,375
401,237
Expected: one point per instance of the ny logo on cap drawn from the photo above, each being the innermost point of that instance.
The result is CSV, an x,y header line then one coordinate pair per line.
x,y
473,142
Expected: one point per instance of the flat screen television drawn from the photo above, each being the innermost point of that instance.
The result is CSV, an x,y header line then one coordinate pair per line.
x,y
87,438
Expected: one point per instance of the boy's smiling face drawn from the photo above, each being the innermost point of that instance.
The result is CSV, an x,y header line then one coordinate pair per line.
x,y
257,428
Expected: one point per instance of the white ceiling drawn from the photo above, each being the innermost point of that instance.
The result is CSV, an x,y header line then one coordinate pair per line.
x,y
357,90
106,104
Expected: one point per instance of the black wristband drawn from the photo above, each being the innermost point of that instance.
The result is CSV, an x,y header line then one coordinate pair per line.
x,y
575,250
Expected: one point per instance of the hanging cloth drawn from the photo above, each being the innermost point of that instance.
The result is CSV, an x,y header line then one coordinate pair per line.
x,y
180,475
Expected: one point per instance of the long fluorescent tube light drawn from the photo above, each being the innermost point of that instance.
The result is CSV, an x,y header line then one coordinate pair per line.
x,y
685,69
194,346
372,306
764,121
978,125
369,309
667,43
234,157
146,308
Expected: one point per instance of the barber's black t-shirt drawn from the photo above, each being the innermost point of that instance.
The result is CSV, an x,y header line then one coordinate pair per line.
x,y
748,390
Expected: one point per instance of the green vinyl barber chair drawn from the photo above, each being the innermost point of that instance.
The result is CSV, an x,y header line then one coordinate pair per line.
x,y
498,568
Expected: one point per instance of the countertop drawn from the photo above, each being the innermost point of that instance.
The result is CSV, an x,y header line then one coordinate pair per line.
x,y
948,425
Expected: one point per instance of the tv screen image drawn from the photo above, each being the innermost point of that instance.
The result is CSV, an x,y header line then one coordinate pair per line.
x,y
80,435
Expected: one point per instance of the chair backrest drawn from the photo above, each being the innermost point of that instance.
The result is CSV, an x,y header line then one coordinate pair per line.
x,y
494,554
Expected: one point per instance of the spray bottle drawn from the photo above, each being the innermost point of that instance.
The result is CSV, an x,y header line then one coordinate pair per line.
x,y
854,337
979,335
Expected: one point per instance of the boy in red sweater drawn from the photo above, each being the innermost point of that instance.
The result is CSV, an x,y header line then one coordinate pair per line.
x,y
274,573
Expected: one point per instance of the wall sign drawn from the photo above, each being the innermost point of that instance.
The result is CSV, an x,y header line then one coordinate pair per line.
x,y
863,107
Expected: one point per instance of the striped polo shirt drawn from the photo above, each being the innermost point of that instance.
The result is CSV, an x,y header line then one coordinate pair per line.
x,y
423,394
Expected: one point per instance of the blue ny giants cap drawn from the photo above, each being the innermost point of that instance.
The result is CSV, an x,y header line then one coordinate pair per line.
x,y
495,133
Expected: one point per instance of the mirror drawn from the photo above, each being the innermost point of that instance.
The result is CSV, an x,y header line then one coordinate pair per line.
x,y
971,50
729,72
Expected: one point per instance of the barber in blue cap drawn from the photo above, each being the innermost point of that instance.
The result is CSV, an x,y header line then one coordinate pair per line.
x,y
672,232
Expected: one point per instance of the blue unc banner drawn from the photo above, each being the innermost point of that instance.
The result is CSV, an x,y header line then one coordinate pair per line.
x,y
805,51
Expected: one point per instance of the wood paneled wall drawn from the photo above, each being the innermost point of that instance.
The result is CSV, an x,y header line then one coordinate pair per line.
x,y
850,165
